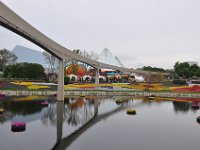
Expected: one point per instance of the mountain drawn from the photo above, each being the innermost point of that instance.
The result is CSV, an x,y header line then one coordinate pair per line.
x,y
107,57
25,54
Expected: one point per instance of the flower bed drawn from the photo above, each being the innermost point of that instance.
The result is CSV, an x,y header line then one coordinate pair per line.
x,y
151,87
137,86
141,86
22,83
195,88
189,99
2,84
29,98
37,87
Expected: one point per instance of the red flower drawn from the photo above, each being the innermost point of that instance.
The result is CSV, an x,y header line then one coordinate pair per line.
x,y
194,88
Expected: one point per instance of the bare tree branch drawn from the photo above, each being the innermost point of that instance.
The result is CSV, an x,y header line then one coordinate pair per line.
x,y
52,61
7,57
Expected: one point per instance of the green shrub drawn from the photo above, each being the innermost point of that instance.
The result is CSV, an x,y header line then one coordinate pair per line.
x,y
66,80
180,82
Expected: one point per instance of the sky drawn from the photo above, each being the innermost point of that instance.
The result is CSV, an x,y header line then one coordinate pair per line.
x,y
140,33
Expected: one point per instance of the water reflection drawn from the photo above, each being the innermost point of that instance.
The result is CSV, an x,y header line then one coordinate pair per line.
x,y
6,116
61,123
60,108
67,141
18,108
76,112
49,115
181,106
23,108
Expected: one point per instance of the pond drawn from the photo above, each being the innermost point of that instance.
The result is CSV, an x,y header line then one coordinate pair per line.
x,y
96,123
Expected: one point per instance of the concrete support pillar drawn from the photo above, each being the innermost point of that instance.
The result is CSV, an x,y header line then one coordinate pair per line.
x,y
97,78
96,106
60,93
60,109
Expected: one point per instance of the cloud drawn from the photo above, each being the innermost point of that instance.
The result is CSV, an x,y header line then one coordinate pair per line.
x,y
143,32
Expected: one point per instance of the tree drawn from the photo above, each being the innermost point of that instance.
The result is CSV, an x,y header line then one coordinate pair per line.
x,y
194,70
52,61
153,69
184,70
91,55
6,57
66,80
75,69
25,70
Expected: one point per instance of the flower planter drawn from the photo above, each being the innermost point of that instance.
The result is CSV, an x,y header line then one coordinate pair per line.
x,y
82,95
18,126
119,101
198,119
1,111
195,106
2,96
152,97
45,104
131,111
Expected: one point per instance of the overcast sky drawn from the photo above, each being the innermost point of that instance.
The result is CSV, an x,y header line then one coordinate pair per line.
x,y
140,32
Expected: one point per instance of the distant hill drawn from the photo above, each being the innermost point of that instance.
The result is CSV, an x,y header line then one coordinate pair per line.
x,y
25,54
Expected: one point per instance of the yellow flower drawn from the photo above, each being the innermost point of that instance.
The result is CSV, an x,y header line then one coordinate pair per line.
x,y
22,83
36,87
29,98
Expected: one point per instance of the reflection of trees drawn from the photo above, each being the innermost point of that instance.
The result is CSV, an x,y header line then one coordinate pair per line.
x,y
22,108
70,112
49,115
76,111
73,118
181,106
67,141
6,116
87,111
13,108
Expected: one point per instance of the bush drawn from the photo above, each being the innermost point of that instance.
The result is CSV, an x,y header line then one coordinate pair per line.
x,y
66,80
1,74
180,82
25,70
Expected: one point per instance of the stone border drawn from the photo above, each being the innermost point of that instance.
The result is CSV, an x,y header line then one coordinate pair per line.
x,y
102,93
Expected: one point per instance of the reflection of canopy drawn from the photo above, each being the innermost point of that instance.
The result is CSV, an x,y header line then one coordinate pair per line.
x,y
29,98
77,103
67,141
